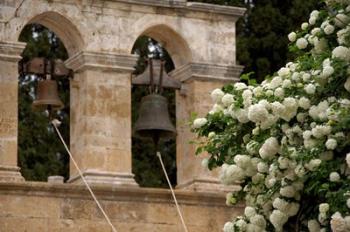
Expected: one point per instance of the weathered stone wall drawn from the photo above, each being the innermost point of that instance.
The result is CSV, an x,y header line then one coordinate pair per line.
x,y
34,207
99,36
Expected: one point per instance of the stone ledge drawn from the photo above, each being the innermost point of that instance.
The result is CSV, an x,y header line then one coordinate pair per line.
x,y
11,51
190,6
217,9
207,72
106,192
107,178
101,60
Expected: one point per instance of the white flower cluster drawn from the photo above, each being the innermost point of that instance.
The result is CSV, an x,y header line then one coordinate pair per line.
x,y
297,123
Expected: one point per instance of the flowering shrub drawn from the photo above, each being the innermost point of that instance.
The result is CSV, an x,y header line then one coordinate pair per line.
x,y
285,141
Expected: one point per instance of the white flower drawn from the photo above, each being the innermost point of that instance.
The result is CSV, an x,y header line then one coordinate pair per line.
x,y
258,91
199,122
205,162
242,225
278,219
348,203
338,223
315,31
292,36
227,99
247,97
320,45
230,174
269,148
240,86
217,95
249,212
283,72
304,26
314,13
242,160
279,92
331,144
329,29
319,131
286,84
312,20
323,208
241,115
334,177
347,84
263,167
313,226
310,89
341,52
283,162
306,77
304,103
257,113
348,159
313,164
301,43
258,220
288,191
327,71
341,20
211,134
229,227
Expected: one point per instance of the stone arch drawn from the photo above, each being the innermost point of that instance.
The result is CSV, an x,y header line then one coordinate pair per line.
x,y
62,27
172,41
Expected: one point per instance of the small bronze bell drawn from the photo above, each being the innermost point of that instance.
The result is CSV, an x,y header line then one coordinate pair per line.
x,y
47,96
154,120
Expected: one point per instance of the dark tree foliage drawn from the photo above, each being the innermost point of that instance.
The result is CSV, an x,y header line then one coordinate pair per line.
x,y
41,154
262,45
146,166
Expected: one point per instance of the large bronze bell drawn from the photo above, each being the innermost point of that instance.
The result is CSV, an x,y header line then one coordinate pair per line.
x,y
154,120
47,96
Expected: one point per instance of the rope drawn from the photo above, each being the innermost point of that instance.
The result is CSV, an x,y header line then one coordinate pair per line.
x,y
57,122
172,192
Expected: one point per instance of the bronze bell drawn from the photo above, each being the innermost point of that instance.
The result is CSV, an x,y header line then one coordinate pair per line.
x,y
47,96
154,120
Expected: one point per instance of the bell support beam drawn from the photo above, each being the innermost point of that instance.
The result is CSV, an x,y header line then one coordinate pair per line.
x,y
198,80
100,128
9,56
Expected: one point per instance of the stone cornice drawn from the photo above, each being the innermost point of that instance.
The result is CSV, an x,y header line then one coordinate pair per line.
x,y
117,193
11,51
216,9
190,6
101,60
207,72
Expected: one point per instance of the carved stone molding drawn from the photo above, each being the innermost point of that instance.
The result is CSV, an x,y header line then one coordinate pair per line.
x,y
207,72
102,177
11,51
10,174
101,60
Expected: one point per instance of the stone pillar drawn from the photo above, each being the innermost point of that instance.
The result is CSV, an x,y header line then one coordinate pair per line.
x,y
9,56
198,80
100,128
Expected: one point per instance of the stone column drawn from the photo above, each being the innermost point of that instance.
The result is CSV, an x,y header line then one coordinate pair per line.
x,y
198,80
100,106
9,56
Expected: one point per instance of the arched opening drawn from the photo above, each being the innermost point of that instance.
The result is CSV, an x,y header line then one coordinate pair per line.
x,y
40,153
171,40
146,166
